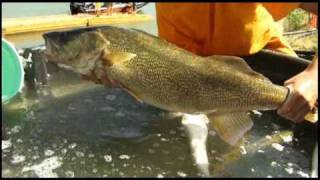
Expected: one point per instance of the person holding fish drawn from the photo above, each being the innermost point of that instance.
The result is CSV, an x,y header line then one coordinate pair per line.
x,y
199,73
239,29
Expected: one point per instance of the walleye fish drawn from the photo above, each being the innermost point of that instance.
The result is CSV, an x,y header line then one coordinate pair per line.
x,y
161,74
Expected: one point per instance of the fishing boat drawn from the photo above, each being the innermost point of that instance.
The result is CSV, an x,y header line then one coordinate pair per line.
x,y
85,16
115,7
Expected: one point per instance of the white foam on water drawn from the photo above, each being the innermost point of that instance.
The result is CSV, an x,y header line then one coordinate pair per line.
x,y
72,145
303,174
160,176
260,151
108,158
6,144
287,138
17,159
79,154
69,174
268,137
289,170
48,152
181,174
273,163
45,168
277,146
64,151
258,113
94,170
16,129
243,150
124,156
35,157
164,139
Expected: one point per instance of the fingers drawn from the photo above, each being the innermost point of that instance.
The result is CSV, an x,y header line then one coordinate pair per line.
x,y
91,77
285,108
289,81
302,113
99,76
295,107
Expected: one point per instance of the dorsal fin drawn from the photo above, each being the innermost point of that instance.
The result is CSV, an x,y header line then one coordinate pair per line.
x,y
238,64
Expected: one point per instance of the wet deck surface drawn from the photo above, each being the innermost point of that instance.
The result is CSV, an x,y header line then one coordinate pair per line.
x,y
85,130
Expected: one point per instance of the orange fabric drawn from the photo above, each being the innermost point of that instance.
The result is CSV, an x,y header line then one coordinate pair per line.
x,y
223,28
280,10
314,21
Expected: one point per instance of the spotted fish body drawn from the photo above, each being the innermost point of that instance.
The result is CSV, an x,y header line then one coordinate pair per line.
x,y
166,76
171,78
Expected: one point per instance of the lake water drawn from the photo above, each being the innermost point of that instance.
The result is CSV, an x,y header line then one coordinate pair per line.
x,y
74,128
11,10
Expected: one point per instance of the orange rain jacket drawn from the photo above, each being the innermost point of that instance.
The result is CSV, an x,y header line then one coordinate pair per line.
x,y
224,28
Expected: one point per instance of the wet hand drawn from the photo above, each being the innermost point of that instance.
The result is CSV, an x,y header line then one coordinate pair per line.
x,y
99,76
303,96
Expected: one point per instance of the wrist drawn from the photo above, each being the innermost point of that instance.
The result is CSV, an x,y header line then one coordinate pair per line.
x,y
312,69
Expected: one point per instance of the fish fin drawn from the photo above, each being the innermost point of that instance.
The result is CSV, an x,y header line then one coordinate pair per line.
x,y
132,94
230,126
111,58
238,64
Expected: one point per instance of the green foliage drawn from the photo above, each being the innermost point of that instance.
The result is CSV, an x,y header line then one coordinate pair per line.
x,y
297,19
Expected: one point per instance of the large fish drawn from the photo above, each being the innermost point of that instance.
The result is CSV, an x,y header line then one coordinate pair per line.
x,y
161,74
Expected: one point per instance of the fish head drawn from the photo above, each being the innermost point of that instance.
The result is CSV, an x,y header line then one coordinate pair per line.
x,y
78,48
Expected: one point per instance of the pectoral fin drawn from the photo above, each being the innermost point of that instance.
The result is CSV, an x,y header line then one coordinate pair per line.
x,y
111,58
132,94
231,126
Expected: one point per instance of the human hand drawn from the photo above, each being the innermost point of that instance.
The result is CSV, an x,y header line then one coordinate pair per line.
x,y
303,96
99,76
